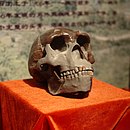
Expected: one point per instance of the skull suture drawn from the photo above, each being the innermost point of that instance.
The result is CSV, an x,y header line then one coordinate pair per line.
x,y
62,58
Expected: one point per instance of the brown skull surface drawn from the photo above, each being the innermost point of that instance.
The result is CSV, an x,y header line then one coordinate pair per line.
x,y
62,58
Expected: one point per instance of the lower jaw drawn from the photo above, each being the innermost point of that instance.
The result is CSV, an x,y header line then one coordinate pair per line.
x,y
77,87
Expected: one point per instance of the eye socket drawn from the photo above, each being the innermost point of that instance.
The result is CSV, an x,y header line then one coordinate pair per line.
x,y
83,39
58,43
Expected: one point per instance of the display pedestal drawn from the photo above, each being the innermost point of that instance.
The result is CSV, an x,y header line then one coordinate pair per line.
x,y
26,106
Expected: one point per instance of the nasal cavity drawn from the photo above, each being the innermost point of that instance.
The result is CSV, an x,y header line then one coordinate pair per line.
x,y
77,48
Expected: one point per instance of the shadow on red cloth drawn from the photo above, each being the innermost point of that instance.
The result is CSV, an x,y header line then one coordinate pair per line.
x,y
127,89
34,83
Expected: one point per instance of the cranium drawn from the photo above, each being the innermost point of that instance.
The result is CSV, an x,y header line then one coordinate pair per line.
x,y
63,58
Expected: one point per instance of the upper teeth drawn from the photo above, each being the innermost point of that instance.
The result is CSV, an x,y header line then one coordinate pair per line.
x,y
75,73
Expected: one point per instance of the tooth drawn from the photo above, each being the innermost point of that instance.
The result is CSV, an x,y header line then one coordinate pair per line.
x,y
68,77
80,69
64,73
62,79
84,68
89,69
76,75
65,77
72,76
67,72
90,73
85,73
73,71
80,74
76,69
61,74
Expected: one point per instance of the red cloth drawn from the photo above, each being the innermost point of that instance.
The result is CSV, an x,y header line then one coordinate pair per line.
x,y
25,106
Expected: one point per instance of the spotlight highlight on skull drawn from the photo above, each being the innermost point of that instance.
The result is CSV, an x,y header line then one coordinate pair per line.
x,y
63,59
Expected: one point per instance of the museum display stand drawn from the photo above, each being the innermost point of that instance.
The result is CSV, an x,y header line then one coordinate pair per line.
x,y
24,105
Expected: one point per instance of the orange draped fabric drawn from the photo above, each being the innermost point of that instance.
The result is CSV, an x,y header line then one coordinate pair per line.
x,y
26,106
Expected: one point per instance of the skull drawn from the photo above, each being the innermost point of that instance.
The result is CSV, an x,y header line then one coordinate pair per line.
x,y
63,58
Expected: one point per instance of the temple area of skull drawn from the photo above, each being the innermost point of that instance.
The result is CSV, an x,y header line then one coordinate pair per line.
x,y
65,57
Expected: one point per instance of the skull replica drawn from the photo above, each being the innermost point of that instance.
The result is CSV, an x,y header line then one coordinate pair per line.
x,y
62,58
